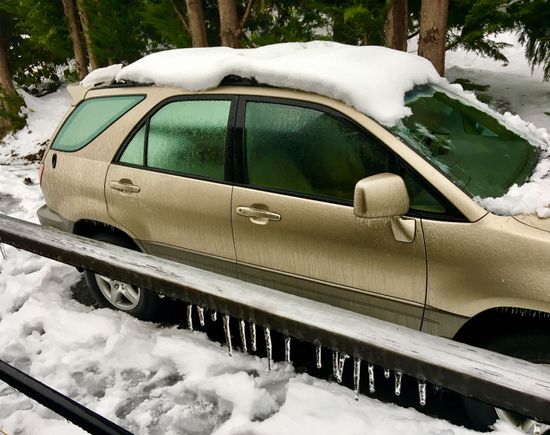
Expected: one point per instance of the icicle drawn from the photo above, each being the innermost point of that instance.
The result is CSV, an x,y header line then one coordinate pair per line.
x,y
242,331
268,346
318,355
200,310
190,316
387,373
398,376
536,428
214,316
356,376
227,331
287,350
422,392
3,252
253,336
371,378
338,360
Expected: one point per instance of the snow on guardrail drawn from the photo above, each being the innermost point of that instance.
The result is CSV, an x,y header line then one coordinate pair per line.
x,y
493,378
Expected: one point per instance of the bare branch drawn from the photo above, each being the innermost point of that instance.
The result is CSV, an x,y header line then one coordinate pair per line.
x,y
246,14
181,16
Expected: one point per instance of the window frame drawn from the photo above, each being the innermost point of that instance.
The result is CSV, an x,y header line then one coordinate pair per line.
x,y
145,121
396,164
107,126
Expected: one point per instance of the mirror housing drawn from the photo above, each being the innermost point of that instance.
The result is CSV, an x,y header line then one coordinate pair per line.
x,y
380,196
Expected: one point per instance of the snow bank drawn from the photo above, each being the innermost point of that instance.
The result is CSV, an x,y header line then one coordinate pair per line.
x,y
371,79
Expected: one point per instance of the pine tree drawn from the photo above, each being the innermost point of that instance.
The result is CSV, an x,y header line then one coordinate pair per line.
x,y
396,27
433,32
10,101
74,32
232,22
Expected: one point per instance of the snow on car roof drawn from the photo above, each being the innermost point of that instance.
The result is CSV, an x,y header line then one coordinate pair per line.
x,y
369,78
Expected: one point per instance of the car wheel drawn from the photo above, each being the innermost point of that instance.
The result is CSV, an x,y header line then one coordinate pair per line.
x,y
530,345
110,293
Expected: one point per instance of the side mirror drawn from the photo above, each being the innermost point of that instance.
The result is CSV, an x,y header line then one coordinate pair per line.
x,y
380,196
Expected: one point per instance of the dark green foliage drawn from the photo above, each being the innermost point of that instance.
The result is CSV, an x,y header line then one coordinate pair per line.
x,y
37,41
471,22
162,23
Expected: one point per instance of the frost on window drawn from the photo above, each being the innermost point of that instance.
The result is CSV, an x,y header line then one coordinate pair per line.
x,y
189,137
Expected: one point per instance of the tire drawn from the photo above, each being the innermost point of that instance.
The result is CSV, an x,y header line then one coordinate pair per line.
x,y
108,293
530,344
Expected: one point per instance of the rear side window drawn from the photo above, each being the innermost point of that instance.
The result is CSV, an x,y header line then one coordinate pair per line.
x,y
184,137
90,118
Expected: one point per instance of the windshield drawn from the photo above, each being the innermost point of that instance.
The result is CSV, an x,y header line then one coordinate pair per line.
x,y
471,147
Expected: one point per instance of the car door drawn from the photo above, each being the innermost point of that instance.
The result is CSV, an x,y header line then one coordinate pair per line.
x,y
167,185
292,213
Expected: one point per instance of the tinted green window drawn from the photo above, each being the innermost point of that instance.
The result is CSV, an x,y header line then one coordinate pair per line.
x,y
134,152
308,151
471,147
90,118
189,137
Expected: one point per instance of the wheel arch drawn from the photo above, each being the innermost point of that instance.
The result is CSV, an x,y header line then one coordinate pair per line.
x,y
498,321
90,227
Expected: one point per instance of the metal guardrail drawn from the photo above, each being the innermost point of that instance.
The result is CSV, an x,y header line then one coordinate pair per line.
x,y
57,402
493,378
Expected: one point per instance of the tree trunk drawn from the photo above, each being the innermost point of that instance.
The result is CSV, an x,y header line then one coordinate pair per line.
x,y
68,6
197,28
86,30
433,32
230,32
397,25
10,101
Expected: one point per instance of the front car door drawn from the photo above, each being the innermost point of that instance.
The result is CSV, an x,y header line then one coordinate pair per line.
x,y
293,219
167,185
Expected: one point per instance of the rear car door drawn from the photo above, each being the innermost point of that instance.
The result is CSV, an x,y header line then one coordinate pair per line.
x,y
292,213
167,185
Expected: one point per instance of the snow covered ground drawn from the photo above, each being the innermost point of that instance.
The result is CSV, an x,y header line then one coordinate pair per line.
x,y
162,380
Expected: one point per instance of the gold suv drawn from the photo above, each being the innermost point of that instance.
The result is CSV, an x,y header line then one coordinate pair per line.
x,y
303,193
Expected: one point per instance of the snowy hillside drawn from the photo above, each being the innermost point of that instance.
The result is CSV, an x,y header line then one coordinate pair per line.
x,y
163,380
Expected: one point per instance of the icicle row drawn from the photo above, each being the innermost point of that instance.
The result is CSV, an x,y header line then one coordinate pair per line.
x,y
422,393
190,316
371,378
253,336
268,346
398,376
338,360
242,332
318,355
200,310
227,331
356,376
287,350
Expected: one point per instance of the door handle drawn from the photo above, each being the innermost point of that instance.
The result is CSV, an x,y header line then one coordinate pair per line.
x,y
124,185
257,215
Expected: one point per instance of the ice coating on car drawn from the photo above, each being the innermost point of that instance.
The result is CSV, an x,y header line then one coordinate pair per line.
x,y
371,79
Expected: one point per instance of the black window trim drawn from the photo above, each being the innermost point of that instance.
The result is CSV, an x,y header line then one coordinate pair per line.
x,y
396,163
144,97
145,121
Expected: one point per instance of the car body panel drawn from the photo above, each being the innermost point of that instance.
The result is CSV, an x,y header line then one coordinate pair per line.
x,y
483,262
173,210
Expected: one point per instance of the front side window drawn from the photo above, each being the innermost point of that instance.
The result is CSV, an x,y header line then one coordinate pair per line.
x,y
307,151
189,137
90,118
186,137
471,147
